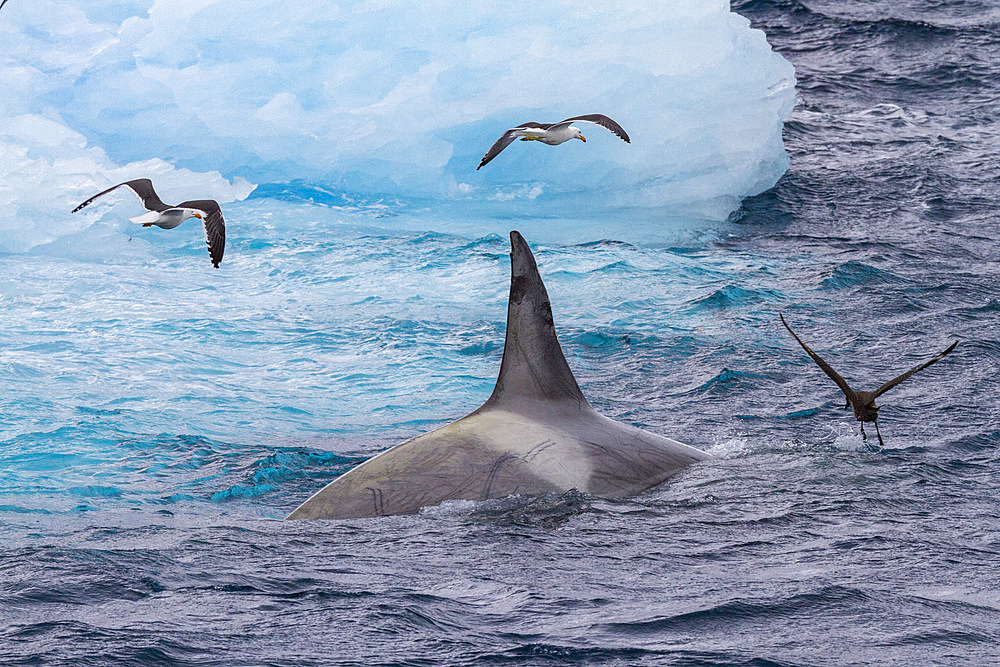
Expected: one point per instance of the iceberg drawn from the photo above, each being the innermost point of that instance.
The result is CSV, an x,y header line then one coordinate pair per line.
x,y
382,100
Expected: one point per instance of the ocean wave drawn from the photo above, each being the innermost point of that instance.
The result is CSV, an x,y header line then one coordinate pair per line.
x,y
733,297
725,379
854,273
827,599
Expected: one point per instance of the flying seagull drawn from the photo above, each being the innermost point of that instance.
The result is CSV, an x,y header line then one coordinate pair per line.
x,y
863,402
552,134
168,217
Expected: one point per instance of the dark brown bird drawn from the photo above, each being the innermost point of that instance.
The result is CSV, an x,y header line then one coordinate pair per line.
x,y
863,402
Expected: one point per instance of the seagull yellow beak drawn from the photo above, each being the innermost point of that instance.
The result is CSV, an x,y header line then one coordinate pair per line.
x,y
583,138
199,216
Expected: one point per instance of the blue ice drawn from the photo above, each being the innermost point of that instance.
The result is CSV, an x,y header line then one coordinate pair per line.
x,y
383,103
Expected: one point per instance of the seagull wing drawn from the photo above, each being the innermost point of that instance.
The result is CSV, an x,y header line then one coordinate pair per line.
x,y
834,375
893,382
503,142
142,187
215,227
598,119
3,3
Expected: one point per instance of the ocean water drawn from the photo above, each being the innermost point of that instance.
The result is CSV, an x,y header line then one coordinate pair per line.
x,y
159,418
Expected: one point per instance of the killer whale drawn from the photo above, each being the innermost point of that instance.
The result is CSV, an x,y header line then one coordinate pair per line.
x,y
535,434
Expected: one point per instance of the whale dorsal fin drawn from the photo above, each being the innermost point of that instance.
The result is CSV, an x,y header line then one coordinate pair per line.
x,y
533,366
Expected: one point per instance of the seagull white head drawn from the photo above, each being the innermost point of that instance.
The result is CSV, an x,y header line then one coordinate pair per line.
x,y
577,134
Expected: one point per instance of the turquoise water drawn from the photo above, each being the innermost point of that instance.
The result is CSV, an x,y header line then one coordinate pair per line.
x,y
317,330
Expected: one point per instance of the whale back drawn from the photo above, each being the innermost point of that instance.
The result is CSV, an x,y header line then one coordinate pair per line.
x,y
535,434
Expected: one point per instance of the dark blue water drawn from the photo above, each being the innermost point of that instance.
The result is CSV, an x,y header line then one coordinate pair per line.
x,y
157,422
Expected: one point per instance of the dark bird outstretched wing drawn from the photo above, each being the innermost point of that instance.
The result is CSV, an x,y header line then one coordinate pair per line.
x,y
893,382
142,187
834,375
507,138
503,142
603,121
215,227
